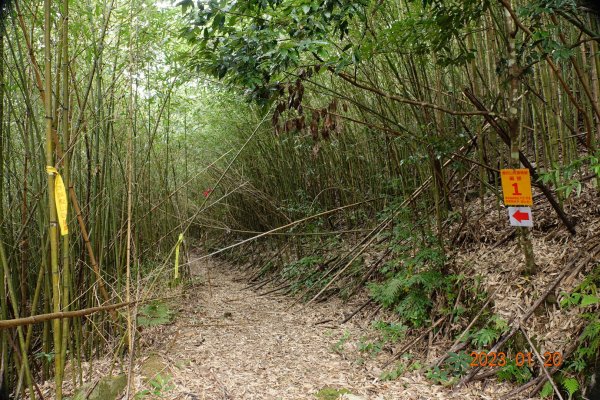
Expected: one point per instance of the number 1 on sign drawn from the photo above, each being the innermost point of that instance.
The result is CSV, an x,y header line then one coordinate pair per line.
x,y
516,192
516,187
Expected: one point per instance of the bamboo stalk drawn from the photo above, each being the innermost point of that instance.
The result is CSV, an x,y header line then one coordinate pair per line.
x,y
53,219
56,316
66,282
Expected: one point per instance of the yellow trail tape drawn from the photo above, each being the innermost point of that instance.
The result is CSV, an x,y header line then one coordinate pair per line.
x,y
60,198
177,255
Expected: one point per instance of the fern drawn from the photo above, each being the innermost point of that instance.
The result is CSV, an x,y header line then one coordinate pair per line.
x,y
459,363
391,291
155,313
589,345
414,307
414,278
302,266
513,373
390,331
484,337
410,293
547,390
499,323
429,279
585,295
571,385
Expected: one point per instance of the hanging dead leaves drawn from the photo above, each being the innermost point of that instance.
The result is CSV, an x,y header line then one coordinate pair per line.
x,y
290,116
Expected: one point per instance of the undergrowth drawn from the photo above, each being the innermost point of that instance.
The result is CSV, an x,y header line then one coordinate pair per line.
x,y
415,276
575,375
386,334
304,273
419,283
154,313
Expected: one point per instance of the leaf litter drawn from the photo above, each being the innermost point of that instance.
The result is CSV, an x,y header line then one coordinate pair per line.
x,y
237,344
229,342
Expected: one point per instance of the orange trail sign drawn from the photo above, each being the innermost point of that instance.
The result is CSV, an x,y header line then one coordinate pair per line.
x,y
516,187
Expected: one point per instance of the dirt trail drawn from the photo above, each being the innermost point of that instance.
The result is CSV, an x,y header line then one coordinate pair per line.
x,y
229,342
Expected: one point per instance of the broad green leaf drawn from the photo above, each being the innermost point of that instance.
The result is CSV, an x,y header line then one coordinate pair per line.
x,y
589,299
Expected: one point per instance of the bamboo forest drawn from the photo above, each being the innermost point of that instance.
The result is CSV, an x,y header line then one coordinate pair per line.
x,y
300,199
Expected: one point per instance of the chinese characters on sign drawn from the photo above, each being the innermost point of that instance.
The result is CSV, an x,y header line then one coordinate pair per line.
x,y
516,188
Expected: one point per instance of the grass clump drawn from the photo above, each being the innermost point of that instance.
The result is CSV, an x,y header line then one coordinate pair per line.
x,y
328,393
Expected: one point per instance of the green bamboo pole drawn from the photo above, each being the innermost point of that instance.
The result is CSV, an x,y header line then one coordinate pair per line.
x,y
3,277
513,131
53,222
66,281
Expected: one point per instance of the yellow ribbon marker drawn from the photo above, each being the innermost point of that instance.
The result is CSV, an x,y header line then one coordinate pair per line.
x,y
60,198
179,241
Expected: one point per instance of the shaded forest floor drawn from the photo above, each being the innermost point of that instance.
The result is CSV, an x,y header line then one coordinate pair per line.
x,y
231,342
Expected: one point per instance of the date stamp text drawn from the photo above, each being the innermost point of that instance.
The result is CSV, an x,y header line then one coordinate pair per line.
x,y
500,359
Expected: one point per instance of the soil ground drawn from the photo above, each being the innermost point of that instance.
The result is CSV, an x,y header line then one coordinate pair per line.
x,y
231,342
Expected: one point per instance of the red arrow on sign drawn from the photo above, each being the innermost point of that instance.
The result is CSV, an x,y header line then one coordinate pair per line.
x,y
521,216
